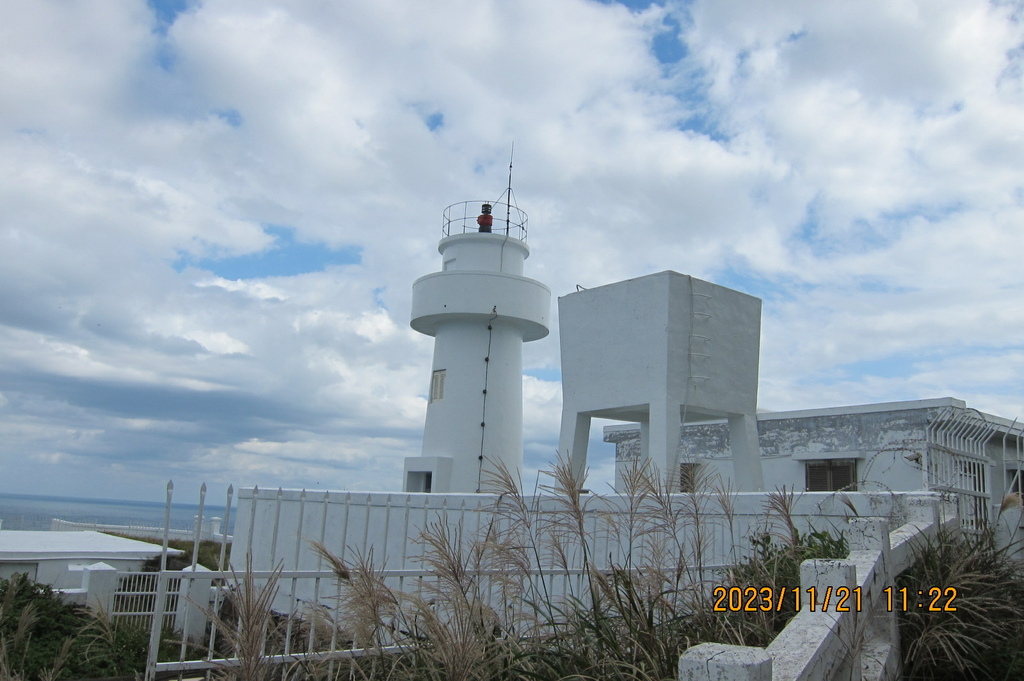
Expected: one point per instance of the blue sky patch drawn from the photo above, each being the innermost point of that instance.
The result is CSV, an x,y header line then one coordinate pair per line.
x,y
286,258
745,280
703,124
702,118
667,46
165,56
545,374
894,366
879,286
378,297
166,12
434,121
795,36
638,5
230,116
931,212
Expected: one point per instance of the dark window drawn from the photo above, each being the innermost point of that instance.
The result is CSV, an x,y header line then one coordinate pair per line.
x,y
688,477
831,475
1013,481
420,481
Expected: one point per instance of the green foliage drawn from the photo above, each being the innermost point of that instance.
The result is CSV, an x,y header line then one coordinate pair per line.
x,y
780,561
209,553
34,626
43,638
775,563
984,637
112,649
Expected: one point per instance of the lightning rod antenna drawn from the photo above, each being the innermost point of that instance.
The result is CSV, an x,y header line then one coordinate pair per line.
x,y
508,207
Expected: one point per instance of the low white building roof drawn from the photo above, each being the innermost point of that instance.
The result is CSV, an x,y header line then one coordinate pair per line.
x,y
26,545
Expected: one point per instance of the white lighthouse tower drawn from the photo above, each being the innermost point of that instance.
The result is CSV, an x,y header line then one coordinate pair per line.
x,y
480,309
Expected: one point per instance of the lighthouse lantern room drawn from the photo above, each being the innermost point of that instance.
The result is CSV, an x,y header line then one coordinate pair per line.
x,y
480,309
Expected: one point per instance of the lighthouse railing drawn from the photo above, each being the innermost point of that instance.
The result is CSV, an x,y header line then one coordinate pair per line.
x,y
506,220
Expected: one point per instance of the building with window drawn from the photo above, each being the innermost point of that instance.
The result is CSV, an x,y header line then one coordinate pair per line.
x,y
938,444
681,373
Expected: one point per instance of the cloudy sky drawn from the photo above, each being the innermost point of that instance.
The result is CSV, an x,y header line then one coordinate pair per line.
x,y
212,211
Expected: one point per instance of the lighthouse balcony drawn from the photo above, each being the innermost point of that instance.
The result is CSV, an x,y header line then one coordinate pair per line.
x,y
488,296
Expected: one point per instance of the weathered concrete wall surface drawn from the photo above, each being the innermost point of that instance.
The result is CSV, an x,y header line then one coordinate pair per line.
x,y
888,442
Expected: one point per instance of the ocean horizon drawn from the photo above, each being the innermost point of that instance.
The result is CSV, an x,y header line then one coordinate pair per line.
x,y
35,512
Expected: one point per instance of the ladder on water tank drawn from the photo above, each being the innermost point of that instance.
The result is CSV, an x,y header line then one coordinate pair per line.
x,y
698,359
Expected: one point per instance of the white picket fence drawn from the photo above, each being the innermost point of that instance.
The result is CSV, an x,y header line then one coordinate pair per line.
x,y
707,531
135,599
274,532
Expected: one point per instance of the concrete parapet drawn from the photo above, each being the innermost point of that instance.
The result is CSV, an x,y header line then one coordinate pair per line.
x,y
868,534
923,508
823,573
819,643
721,662
871,552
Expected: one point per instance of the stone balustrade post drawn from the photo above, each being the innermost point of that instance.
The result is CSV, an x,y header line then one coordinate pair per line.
x,y
721,662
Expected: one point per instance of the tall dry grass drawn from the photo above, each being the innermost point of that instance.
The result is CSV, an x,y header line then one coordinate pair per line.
x,y
984,637
534,597
246,629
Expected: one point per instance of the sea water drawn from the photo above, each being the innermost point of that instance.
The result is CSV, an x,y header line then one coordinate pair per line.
x,y
29,512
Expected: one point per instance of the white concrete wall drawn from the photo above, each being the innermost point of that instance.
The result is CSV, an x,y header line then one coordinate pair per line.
x,y
62,573
57,558
625,341
475,252
474,357
278,527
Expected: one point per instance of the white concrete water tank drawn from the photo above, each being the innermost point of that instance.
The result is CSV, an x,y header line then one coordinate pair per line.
x,y
661,350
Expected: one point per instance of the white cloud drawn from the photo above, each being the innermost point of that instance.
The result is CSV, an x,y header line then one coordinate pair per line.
x,y
856,165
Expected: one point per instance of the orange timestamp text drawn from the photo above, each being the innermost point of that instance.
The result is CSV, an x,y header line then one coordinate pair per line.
x,y
829,599
789,599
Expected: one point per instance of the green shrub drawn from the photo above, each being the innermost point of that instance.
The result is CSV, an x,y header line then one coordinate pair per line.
x,y
775,562
42,637
209,553
35,626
